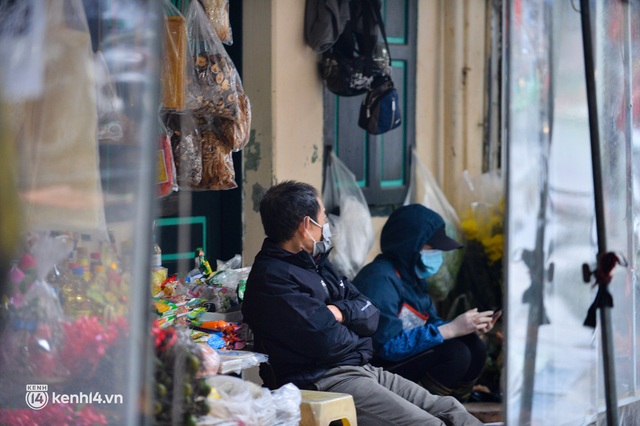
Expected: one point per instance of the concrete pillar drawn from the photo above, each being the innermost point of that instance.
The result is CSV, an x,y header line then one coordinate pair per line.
x,y
281,79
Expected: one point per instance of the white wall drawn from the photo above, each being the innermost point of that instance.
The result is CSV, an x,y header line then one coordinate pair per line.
x,y
280,78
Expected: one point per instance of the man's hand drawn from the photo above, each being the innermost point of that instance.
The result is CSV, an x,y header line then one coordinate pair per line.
x,y
467,323
336,313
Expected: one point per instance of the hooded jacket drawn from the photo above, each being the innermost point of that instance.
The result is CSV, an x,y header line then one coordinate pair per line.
x,y
285,305
390,281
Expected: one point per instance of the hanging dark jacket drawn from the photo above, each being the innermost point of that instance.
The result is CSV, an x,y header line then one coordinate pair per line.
x,y
391,283
324,21
285,305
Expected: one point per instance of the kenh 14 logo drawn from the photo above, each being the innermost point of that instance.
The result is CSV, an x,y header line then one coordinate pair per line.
x,y
37,396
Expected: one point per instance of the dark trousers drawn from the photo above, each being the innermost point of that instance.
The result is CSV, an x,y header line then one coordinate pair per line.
x,y
452,366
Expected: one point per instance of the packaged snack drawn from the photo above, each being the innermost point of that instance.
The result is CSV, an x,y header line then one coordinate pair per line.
x,y
165,168
172,78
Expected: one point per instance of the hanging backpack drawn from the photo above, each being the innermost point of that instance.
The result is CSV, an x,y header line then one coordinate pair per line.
x,y
350,66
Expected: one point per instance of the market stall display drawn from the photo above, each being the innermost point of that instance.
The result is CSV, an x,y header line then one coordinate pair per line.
x,y
74,301
199,315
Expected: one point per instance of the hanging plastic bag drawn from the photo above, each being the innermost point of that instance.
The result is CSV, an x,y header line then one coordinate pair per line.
x,y
187,148
423,189
216,102
235,133
349,218
217,12
61,186
212,89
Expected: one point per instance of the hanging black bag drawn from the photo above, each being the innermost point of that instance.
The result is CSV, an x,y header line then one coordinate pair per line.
x,y
380,109
348,68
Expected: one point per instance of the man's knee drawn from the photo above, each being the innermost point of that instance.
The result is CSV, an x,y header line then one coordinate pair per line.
x,y
449,406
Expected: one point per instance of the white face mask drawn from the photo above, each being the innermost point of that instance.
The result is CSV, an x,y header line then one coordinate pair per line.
x,y
323,245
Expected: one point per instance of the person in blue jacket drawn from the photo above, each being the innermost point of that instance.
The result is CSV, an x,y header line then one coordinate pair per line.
x,y
412,340
315,326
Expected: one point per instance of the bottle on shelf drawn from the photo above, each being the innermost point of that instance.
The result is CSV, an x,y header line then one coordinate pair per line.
x,y
156,252
203,264
76,300
158,272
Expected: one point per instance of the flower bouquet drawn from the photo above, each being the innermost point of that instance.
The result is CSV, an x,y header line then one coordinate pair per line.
x,y
480,279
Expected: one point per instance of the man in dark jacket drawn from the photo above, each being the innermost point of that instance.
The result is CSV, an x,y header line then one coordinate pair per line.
x,y
314,325
445,357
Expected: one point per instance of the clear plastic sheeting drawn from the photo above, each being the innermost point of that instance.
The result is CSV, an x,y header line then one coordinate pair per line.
x,y
79,92
349,218
554,363
59,178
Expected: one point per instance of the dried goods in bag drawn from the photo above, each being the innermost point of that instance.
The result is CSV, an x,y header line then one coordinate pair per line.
x,y
186,146
235,133
211,87
217,163
189,161
216,106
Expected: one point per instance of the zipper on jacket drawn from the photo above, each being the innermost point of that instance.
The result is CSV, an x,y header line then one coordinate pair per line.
x,y
326,290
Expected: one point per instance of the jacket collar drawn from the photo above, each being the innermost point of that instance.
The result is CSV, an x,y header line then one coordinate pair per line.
x,y
302,258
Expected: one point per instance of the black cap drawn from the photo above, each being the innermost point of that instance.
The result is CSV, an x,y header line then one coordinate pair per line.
x,y
440,241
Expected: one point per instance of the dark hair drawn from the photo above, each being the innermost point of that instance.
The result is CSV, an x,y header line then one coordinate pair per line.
x,y
284,206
